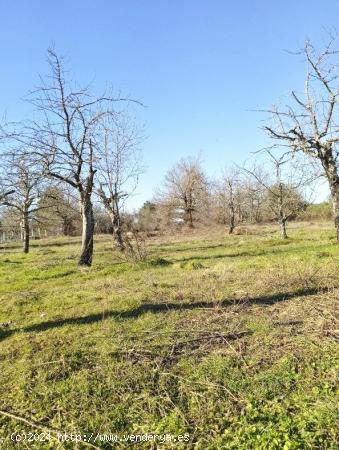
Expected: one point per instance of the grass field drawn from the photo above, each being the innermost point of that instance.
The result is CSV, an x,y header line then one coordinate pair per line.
x,y
228,339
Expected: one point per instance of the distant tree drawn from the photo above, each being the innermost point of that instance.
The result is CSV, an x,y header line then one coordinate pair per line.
x,y
254,197
23,181
185,188
283,184
148,217
103,224
229,198
285,202
318,211
10,220
309,125
60,209
118,165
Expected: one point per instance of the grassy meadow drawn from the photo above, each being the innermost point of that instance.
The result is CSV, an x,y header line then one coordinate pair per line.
x,y
228,339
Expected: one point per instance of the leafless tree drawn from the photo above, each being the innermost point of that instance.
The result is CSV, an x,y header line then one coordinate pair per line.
x,y
253,204
59,209
23,181
284,184
185,188
310,123
118,165
65,136
229,198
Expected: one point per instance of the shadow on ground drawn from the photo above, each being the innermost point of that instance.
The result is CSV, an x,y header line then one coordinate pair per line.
x,y
254,253
158,308
37,244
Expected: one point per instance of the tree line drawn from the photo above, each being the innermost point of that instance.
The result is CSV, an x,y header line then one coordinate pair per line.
x,y
79,148
241,195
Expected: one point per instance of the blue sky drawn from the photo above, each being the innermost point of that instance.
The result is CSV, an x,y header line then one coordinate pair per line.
x,y
199,66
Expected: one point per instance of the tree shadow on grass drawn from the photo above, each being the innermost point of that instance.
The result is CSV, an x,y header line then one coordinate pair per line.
x,y
37,245
158,308
219,256
189,249
54,244
254,253
8,261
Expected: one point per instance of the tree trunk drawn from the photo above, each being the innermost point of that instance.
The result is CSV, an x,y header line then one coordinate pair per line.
x,y
117,233
87,233
232,220
189,218
330,165
283,232
335,208
25,229
65,228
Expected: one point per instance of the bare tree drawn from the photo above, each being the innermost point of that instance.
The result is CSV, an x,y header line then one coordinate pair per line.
x,y
118,165
59,209
65,135
23,180
229,199
283,184
310,124
185,189
253,201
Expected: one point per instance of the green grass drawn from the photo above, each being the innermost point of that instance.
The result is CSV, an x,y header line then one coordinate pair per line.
x,y
230,339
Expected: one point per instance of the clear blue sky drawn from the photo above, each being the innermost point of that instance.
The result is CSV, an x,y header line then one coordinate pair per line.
x,y
199,65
